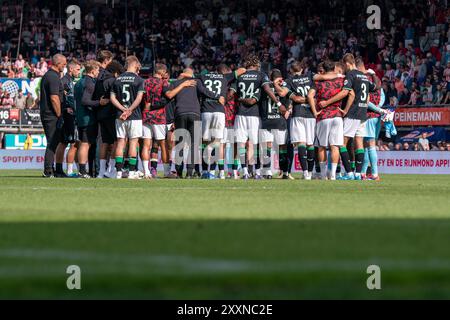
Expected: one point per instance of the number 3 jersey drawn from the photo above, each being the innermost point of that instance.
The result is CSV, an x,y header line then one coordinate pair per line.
x,y
360,84
300,85
126,89
271,117
249,85
217,84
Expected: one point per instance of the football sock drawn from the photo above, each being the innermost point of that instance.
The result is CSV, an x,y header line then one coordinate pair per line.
x,y
267,158
333,171
373,156
316,160
359,157
366,161
102,167
59,168
146,169
154,163
284,161
83,168
119,163
221,164
242,157
290,156
213,164
302,157
133,162
112,164
166,169
323,169
69,168
345,158
310,158
179,169
204,157
235,166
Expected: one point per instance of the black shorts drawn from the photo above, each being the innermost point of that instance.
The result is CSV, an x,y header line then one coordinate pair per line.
x,y
108,130
69,129
88,134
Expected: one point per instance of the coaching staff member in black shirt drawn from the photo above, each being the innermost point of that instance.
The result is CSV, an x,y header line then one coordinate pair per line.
x,y
50,108
187,112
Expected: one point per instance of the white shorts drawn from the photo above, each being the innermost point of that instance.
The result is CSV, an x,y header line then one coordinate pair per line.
x,y
277,136
354,128
303,130
130,129
247,128
154,131
213,124
330,132
228,135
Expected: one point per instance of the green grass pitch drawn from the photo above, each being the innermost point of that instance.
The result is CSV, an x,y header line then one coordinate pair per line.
x,y
197,239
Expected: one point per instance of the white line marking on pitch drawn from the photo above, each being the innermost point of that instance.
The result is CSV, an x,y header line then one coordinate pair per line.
x,y
104,263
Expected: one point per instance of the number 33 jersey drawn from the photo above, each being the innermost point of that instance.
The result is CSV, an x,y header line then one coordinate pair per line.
x,y
249,85
217,84
126,89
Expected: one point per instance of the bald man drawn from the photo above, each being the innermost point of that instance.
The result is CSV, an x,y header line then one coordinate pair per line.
x,y
52,92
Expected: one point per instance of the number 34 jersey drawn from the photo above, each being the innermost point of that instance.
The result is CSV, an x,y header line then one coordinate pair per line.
x,y
361,85
217,84
126,89
249,85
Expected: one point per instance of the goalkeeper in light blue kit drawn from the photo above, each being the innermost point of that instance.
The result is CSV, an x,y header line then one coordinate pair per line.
x,y
373,126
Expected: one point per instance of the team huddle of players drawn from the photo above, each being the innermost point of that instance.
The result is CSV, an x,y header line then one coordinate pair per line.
x,y
245,110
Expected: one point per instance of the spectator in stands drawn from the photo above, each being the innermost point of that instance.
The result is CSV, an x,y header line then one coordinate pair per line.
x,y
7,102
41,67
406,146
20,100
424,143
441,145
30,102
20,63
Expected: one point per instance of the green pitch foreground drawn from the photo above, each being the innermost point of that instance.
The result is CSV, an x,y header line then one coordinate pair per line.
x,y
199,239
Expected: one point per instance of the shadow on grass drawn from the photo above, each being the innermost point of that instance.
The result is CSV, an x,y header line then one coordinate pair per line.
x,y
203,259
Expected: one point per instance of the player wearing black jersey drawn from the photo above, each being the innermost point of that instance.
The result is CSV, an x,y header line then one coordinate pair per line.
x,y
213,118
303,122
126,95
248,121
274,127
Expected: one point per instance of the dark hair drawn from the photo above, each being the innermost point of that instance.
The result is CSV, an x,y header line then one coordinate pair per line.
x,y
115,67
252,60
328,65
276,73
